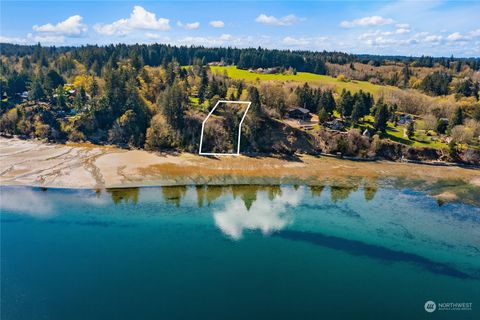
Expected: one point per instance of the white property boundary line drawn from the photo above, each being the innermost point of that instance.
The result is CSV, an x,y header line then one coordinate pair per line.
x,y
248,103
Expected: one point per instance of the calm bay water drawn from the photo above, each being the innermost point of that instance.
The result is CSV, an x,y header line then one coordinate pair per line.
x,y
245,252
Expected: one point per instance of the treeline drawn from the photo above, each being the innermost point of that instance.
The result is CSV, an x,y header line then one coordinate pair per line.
x,y
95,58
423,61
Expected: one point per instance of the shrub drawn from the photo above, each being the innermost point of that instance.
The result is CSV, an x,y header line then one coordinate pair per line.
x,y
159,134
356,143
76,136
461,134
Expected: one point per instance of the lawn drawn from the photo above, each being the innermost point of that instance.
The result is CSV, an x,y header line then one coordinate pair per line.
x,y
301,77
420,139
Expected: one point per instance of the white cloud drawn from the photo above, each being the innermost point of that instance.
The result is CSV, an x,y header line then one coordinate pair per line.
x,y
455,37
71,27
383,41
155,36
475,33
402,31
217,24
273,21
15,40
46,38
189,26
402,26
209,41
226,37
374,34
290,41
367,21
433,38
265,215
139,19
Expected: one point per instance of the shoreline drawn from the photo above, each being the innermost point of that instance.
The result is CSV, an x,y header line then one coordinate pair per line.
x,y
84,166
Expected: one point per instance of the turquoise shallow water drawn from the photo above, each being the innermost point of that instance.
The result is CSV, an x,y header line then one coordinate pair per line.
x,y
272,252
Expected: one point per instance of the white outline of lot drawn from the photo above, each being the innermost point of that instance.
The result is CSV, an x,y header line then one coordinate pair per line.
x,y
248,103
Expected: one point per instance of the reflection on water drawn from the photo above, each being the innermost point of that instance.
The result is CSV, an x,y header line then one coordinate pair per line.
x,y
109,249
370,188
316,191
25,201
208,194
124,194
370,213
257,211
174,194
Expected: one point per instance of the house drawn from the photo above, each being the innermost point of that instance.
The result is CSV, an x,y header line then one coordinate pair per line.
x,y
404,118
217,63
300,113
335,124
23,95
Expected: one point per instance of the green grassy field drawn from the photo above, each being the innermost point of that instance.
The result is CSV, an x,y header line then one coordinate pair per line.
x,y
301,77
395,133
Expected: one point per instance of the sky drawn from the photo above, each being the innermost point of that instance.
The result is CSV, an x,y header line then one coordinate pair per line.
x,y
437,28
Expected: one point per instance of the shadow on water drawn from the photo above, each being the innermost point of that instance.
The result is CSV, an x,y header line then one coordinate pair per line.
x,y
359,248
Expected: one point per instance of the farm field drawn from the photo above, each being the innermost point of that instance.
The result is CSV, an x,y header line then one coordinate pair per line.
x,y
311,78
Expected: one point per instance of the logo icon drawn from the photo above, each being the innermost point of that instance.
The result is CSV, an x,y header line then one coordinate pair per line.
x,y
430,306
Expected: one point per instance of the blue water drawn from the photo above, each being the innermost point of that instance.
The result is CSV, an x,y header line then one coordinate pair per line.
x,y
266,252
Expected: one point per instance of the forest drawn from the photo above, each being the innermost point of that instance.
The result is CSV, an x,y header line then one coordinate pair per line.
x,y
156,97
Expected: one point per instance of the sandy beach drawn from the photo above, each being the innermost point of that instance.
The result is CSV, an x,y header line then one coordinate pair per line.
x,y
33,163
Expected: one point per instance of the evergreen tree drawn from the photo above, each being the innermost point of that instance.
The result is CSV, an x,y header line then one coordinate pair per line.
x,y
381,116
305,97
26,65
410,129
94,90
406,75
202,89
255,107
53,80
457,118
467,88
172,105
442,126
328,102
436,83
170,73
239,89
61,100
357,111
322,116
36,91
345,105
213,89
